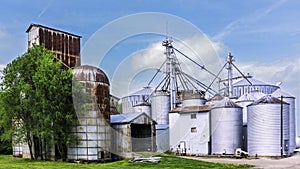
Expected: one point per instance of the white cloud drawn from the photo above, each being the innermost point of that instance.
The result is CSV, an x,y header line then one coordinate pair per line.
x,y
285,71
199,48
246,21
2,33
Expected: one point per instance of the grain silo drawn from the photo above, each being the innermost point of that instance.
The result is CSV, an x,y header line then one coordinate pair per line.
x,y
268,127
243,101
193,98
140,96
290,100
143,107
226,119
91,100
160,107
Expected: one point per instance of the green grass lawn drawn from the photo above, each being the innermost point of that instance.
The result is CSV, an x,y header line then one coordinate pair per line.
x,y
168,162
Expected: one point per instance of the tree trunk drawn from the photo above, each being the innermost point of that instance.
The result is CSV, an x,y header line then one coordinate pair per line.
x,y
29,142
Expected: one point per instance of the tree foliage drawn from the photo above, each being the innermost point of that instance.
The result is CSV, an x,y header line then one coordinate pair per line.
x,y
37,103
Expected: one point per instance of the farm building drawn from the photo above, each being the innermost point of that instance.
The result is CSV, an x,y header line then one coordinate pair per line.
x,y
132,132
189,129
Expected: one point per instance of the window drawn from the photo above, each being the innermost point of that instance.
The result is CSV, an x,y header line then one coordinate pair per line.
x,y
193,130
193,116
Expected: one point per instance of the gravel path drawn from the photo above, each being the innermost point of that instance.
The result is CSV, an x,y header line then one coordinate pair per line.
x,y
265,163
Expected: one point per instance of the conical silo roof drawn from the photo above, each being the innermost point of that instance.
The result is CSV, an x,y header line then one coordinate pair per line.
x,y
216,97
257,94
268,99
278,93
246,97
144,91
226,103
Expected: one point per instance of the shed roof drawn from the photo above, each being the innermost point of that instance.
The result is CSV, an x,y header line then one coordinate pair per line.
x,y
46,27
191,109
127,117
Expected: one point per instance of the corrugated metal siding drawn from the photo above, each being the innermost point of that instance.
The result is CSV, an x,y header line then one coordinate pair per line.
x,y
226,129
160,107
193,102
292,116
264,131
292,122
143,109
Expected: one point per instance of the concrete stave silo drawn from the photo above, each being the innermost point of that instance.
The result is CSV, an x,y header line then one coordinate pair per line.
x,y
93,115
264,127
226,127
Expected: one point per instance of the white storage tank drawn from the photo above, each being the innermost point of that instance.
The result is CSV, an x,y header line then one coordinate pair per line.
x,y
292,116
264,127
298,142
135,98
193,98
160,107
216,98
226,127
244,101
143,107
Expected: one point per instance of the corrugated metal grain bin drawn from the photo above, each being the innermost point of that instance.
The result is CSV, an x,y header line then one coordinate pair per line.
x,y
135,98
160,107
143,107
226,127
264,127
245,100
193,99
92,106
292,116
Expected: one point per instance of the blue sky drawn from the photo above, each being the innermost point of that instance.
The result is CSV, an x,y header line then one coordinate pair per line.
x,y
264,36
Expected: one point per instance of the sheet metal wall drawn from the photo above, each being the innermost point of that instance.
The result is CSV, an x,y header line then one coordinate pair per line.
x,y
160,107
66,46
292,115
226,129
264,129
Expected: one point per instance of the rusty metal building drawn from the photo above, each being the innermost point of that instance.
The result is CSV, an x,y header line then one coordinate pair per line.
x,y
66,46
132,132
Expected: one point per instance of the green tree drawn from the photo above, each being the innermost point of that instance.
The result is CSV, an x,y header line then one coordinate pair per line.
x,y
37,95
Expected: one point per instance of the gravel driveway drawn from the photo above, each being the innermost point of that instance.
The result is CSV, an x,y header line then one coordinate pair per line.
x,y
266,163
